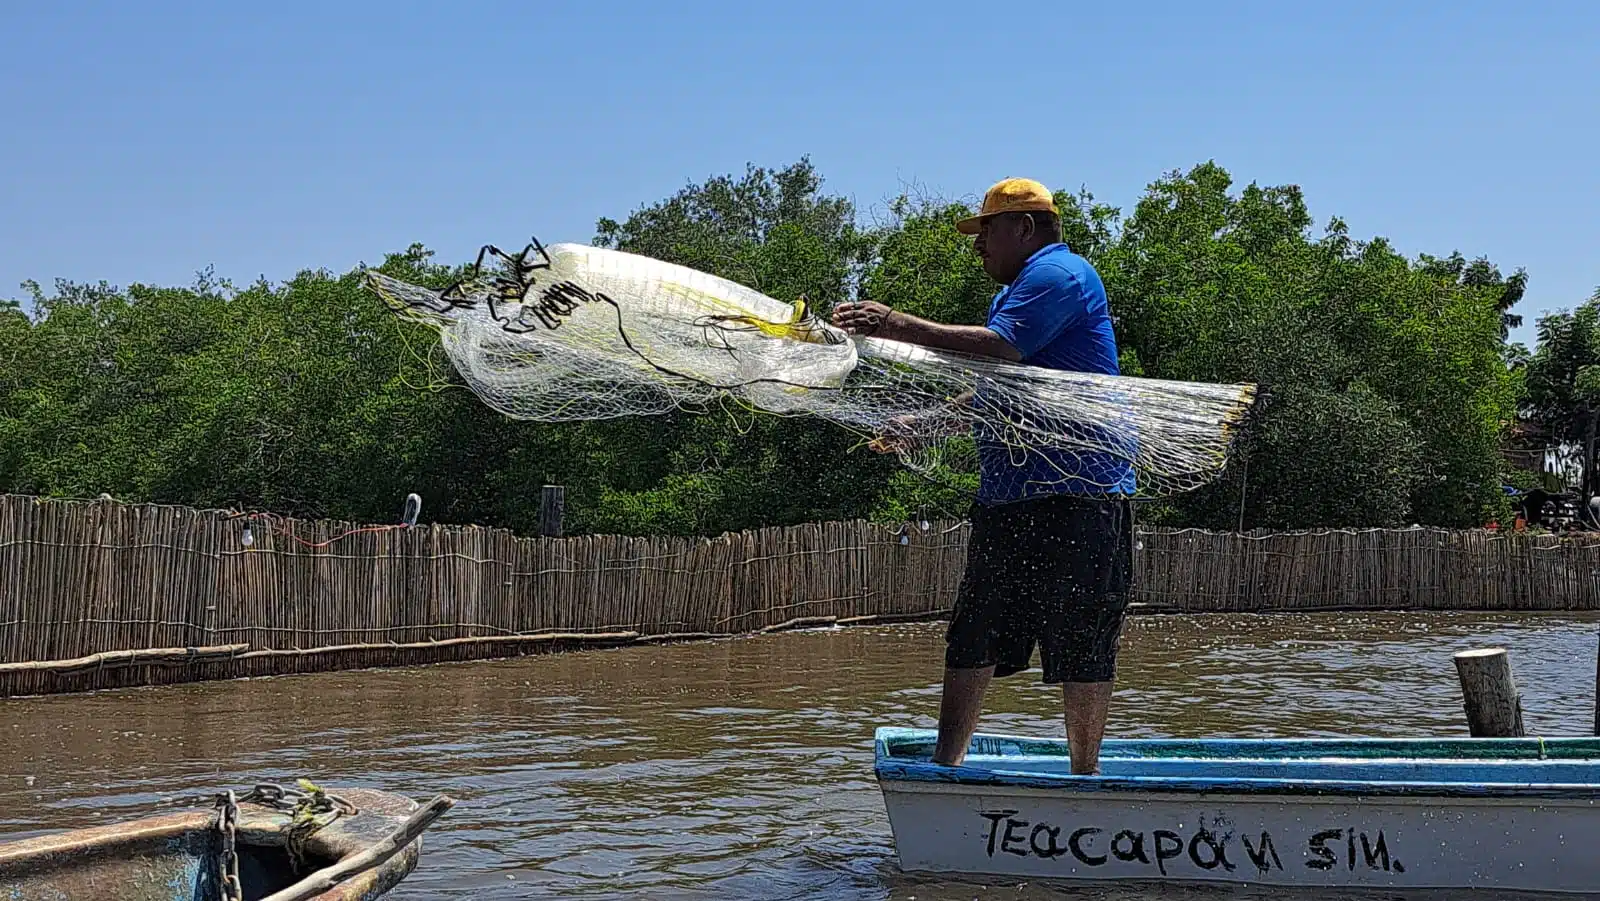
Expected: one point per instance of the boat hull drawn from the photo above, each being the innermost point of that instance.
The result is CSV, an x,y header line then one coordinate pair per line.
x,y
1186,819
173,857
1288,842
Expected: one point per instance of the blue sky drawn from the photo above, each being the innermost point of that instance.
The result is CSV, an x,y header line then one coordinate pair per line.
x,y
145,142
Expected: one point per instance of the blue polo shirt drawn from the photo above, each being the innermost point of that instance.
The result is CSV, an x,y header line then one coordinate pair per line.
x,y
1056,315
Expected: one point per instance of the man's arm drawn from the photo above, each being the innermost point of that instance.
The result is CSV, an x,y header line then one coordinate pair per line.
x,y
868,317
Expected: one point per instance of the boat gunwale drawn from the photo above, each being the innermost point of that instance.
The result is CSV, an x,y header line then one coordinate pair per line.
x,y
17,855
901,756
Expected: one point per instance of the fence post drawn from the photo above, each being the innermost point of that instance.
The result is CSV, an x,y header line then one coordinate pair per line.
x,y
552,503
1489,691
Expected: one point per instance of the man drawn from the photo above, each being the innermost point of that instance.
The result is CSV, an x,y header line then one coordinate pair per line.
x,y
1046,566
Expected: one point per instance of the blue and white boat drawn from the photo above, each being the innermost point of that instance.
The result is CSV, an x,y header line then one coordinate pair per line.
x,y
1495,814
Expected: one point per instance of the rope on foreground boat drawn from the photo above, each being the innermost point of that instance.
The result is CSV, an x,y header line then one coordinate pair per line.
x,y
375,855
304,808
269,794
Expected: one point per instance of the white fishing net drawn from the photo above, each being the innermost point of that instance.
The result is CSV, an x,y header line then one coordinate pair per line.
x,y
572,332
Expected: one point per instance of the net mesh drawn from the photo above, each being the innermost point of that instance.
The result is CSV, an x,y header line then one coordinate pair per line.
x,y
572,332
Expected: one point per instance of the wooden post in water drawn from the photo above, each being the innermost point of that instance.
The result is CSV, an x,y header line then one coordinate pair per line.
x,y
1493,705
552,503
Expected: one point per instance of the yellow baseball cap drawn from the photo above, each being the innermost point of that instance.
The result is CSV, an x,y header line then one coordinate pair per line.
x,y
1013,195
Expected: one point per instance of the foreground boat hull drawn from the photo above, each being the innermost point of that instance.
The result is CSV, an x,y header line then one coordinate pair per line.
x,y
1174,812
174,857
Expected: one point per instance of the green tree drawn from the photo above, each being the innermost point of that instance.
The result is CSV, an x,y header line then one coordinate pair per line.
x,y
1562,384
1213,286
16,368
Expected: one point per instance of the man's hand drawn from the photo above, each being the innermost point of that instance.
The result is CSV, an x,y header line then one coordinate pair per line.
x,y
865,317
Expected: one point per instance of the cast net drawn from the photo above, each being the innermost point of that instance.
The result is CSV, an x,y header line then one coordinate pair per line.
x,y
572,332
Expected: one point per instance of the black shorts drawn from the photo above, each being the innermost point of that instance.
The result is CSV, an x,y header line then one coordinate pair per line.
x,y
1052,572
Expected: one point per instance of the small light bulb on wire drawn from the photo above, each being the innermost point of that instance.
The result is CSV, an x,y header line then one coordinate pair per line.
x,y
247,539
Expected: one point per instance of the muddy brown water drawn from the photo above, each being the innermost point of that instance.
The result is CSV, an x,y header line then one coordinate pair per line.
x,y
736,769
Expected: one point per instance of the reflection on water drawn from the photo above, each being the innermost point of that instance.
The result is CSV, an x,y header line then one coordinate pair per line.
x,y
735,769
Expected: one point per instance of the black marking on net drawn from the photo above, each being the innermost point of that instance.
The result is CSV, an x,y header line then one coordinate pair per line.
x,y
510,286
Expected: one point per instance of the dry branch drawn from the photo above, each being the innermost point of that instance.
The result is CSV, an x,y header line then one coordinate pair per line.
x,y
670,637
140,657
884,618
543,638
799,622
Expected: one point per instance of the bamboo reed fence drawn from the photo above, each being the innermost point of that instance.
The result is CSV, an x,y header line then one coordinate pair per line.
x,y
100,594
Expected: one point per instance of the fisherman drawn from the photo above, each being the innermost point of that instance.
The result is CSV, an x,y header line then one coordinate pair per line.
x,y
1048,560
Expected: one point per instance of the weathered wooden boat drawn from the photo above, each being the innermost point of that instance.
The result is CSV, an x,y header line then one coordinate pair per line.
x,y
268,843
1504,815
